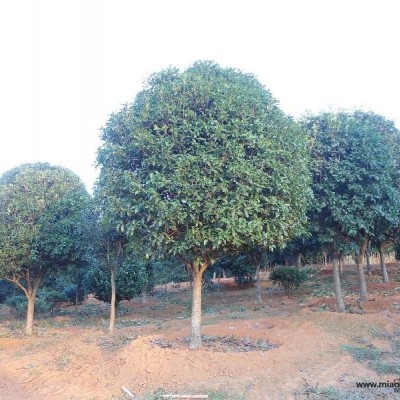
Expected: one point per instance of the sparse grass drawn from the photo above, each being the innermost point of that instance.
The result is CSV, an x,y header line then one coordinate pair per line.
x,y
63,363
383,362
212,395
123,323
368,353
217,395
310,392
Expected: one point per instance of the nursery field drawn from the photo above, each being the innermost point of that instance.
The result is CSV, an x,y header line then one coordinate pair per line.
x,y
287,347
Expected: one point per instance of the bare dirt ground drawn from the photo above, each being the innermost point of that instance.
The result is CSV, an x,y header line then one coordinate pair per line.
x,y
71,355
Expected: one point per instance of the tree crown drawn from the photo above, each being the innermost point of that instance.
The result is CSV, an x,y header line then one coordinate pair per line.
x,y
203,161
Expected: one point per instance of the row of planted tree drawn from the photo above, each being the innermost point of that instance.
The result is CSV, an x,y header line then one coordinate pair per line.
x,y
204,165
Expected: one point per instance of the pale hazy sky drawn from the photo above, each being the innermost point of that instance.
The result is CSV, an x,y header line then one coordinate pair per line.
x,y
67,64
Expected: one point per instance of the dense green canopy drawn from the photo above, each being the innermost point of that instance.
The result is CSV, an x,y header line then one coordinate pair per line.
x,y
205,160
355,173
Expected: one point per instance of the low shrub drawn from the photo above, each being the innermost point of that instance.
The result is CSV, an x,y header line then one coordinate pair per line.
x,y
289,277
70,293
19,305
54,298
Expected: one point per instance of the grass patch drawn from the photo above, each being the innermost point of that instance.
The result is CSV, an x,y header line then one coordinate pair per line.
x,y
330,393
368,353
383,362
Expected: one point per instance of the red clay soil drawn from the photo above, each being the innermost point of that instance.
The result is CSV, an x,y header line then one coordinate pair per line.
x,y
68,361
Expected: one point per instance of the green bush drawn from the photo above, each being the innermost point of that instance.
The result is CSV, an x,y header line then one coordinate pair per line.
x,y
54,298
238,266
14,301
7,289
288,277
132,278
70,293
19,305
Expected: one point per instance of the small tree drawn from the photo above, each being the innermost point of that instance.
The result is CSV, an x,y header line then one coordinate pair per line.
x,y
39,205
109,246
131,278
204,161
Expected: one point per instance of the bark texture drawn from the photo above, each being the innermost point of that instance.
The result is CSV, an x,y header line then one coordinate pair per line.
x,y
29,313
383,265
361,275
113,301
338,286
258,284
367,258
195,340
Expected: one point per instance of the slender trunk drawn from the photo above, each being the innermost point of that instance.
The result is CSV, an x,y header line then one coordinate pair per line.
x,y
30,294
383,265
338,286
368,259
76,298
286,262
325,256
341,262
258,284
144,297
298,260
361,276
195,340
29,312
113,301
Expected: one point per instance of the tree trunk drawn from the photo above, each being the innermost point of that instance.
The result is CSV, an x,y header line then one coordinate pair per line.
x,y
258,284
298,260
338,286
29,312
367,257
361,276
144,297
76,298
195,340
325,258
341,262
383,265
286,262
30,293
113,301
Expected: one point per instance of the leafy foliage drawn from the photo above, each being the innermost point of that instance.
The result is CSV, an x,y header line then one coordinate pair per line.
x,y
6,290
290,278
132,278
40,207
168,270
241,267
355,174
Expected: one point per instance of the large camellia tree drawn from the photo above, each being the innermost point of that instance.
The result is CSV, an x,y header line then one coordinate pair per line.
x,y
41,208
204,162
